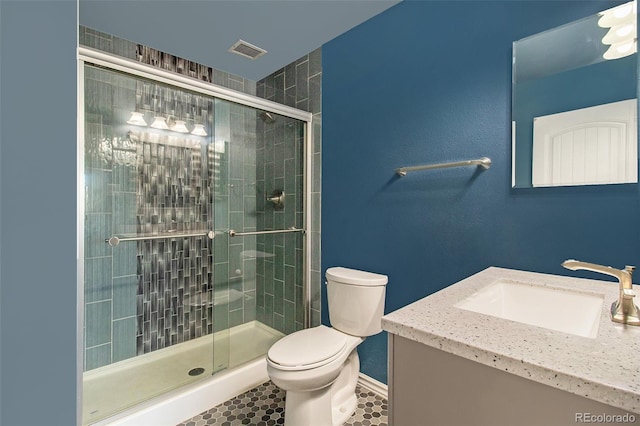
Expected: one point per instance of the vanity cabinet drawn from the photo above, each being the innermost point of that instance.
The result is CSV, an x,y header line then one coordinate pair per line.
x,y
428,386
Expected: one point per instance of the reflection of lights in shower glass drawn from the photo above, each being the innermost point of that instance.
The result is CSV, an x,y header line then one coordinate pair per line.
x,y
159,123
198,130
137,119
180,127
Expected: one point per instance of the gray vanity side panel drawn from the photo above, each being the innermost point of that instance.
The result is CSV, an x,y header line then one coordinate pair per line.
x,y
428,386
390,370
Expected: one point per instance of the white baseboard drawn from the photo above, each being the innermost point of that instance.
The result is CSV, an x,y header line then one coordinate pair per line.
x,y
373,385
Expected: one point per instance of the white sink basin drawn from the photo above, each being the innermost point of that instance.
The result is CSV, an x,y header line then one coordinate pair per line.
x,y
548,307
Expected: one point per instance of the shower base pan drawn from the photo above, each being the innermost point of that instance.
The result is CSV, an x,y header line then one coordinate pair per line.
x,y
124,385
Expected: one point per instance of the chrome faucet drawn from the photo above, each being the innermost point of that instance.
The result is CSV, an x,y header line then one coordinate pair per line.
x,y
623,310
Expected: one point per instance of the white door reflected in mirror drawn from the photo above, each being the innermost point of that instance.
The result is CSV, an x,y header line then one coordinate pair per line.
x,y
588,146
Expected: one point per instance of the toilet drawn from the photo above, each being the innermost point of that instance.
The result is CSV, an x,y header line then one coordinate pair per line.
x,y
318,367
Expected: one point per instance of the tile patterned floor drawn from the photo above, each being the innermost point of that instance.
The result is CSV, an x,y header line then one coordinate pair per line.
x,y
264,406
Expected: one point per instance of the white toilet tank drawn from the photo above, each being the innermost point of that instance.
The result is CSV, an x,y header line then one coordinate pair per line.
x,y
356,300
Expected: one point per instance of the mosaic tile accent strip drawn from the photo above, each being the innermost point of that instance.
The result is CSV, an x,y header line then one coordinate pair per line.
x,y
172,63
147,55
264,405
174,194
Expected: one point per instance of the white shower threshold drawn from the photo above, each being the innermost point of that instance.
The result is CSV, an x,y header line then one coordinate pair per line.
x,y
155,389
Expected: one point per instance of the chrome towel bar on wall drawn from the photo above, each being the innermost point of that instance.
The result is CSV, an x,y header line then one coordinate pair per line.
x,y
483,162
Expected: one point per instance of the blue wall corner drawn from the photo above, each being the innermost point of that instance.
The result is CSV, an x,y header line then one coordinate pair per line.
x,y
428,82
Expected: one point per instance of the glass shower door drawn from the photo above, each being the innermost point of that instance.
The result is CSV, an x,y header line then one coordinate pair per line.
x,y
194,245
258,254
151,182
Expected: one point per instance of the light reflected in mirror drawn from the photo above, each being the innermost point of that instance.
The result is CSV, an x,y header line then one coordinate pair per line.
x,y
574,106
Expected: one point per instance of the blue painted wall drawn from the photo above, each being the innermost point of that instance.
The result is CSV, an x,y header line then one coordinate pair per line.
x,y
428,82
38,213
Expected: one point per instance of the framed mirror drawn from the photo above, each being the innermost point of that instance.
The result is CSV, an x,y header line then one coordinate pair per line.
x,y
574,103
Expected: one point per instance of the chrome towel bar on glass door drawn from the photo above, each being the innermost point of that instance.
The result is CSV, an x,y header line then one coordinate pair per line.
x,y
483,162
233,233
115,240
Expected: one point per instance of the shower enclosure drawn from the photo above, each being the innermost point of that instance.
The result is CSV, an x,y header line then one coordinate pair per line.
x,y
193,249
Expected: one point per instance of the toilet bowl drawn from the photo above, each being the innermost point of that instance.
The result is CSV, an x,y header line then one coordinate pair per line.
x,y
318,367
292,365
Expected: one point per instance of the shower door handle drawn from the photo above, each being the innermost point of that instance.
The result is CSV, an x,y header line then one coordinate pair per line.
x,y
115,240
233,233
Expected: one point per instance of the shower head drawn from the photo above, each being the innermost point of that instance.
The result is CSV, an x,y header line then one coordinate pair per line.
x,y
267,117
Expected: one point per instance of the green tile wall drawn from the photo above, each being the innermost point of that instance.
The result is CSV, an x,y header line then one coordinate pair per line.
x,y
279,299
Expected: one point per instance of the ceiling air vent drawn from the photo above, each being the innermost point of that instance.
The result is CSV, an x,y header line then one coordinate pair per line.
x,y
247,50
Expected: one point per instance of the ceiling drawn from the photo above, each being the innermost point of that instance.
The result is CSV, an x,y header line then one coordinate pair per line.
x,y
204,30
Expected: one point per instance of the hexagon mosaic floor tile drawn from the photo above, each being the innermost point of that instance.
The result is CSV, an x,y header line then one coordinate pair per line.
x,y
264,406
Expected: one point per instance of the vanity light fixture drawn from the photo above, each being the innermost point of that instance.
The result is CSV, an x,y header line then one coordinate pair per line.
x,y
620,50
617,15
623,34
620,33
137,119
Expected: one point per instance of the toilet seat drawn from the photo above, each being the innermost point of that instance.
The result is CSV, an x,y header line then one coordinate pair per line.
x,y
307,349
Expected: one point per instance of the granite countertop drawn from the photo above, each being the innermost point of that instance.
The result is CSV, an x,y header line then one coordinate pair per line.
x,y
605,369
